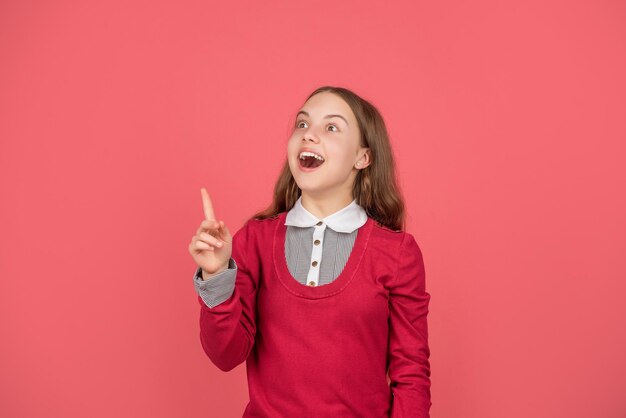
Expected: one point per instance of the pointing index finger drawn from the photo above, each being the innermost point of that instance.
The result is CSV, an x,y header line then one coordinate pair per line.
x,y
207,206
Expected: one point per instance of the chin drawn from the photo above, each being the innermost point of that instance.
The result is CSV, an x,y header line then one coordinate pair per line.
x,y
310,186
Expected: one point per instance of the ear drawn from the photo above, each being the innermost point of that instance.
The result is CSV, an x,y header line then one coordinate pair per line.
x,y
364,160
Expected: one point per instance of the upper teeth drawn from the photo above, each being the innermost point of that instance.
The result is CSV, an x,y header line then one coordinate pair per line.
x,y
310,154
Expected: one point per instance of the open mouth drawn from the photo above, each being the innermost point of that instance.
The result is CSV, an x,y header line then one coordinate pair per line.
x,y
310,160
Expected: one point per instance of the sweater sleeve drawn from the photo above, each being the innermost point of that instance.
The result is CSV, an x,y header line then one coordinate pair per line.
x,y
408,354
227,330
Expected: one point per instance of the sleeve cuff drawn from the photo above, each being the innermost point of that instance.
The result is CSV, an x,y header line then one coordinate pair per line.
x,y
218,288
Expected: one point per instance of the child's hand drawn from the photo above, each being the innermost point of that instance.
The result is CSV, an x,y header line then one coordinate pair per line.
x,y
211,247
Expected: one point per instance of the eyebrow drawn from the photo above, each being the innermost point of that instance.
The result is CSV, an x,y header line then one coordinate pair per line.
x,y
325,117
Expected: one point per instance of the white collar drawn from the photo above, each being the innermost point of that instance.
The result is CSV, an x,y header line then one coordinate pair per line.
x,y
347,219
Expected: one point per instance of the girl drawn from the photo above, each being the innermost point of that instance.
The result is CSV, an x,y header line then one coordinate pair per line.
x,y
323,293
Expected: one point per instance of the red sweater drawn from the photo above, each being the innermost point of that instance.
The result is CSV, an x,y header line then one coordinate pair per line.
x,y
325,351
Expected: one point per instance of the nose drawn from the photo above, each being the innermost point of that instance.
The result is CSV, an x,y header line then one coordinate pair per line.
x,y
310,136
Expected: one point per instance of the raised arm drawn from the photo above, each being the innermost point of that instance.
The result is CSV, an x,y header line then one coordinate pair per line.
x,y
227,322
227,331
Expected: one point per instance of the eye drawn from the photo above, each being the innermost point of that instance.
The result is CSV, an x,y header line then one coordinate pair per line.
x,y
299,122
334,126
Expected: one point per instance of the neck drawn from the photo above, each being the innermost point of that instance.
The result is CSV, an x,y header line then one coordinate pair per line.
x,y
325,206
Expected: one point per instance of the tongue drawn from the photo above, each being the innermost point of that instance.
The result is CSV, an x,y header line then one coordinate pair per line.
x,y
312,162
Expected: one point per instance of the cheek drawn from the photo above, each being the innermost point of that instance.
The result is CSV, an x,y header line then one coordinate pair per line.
x,y
290,150
341,156
292,143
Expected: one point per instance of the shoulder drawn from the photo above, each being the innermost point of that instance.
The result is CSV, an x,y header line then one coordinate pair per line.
x,y
260,223
255,226
385,234
396,243
255,234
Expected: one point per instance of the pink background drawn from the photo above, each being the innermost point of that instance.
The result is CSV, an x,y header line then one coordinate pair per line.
x,y
507,120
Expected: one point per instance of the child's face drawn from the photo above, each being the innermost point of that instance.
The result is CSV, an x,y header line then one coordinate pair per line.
x,y
336,139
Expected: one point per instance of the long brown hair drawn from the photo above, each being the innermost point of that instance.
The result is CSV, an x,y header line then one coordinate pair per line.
x,y
375,187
